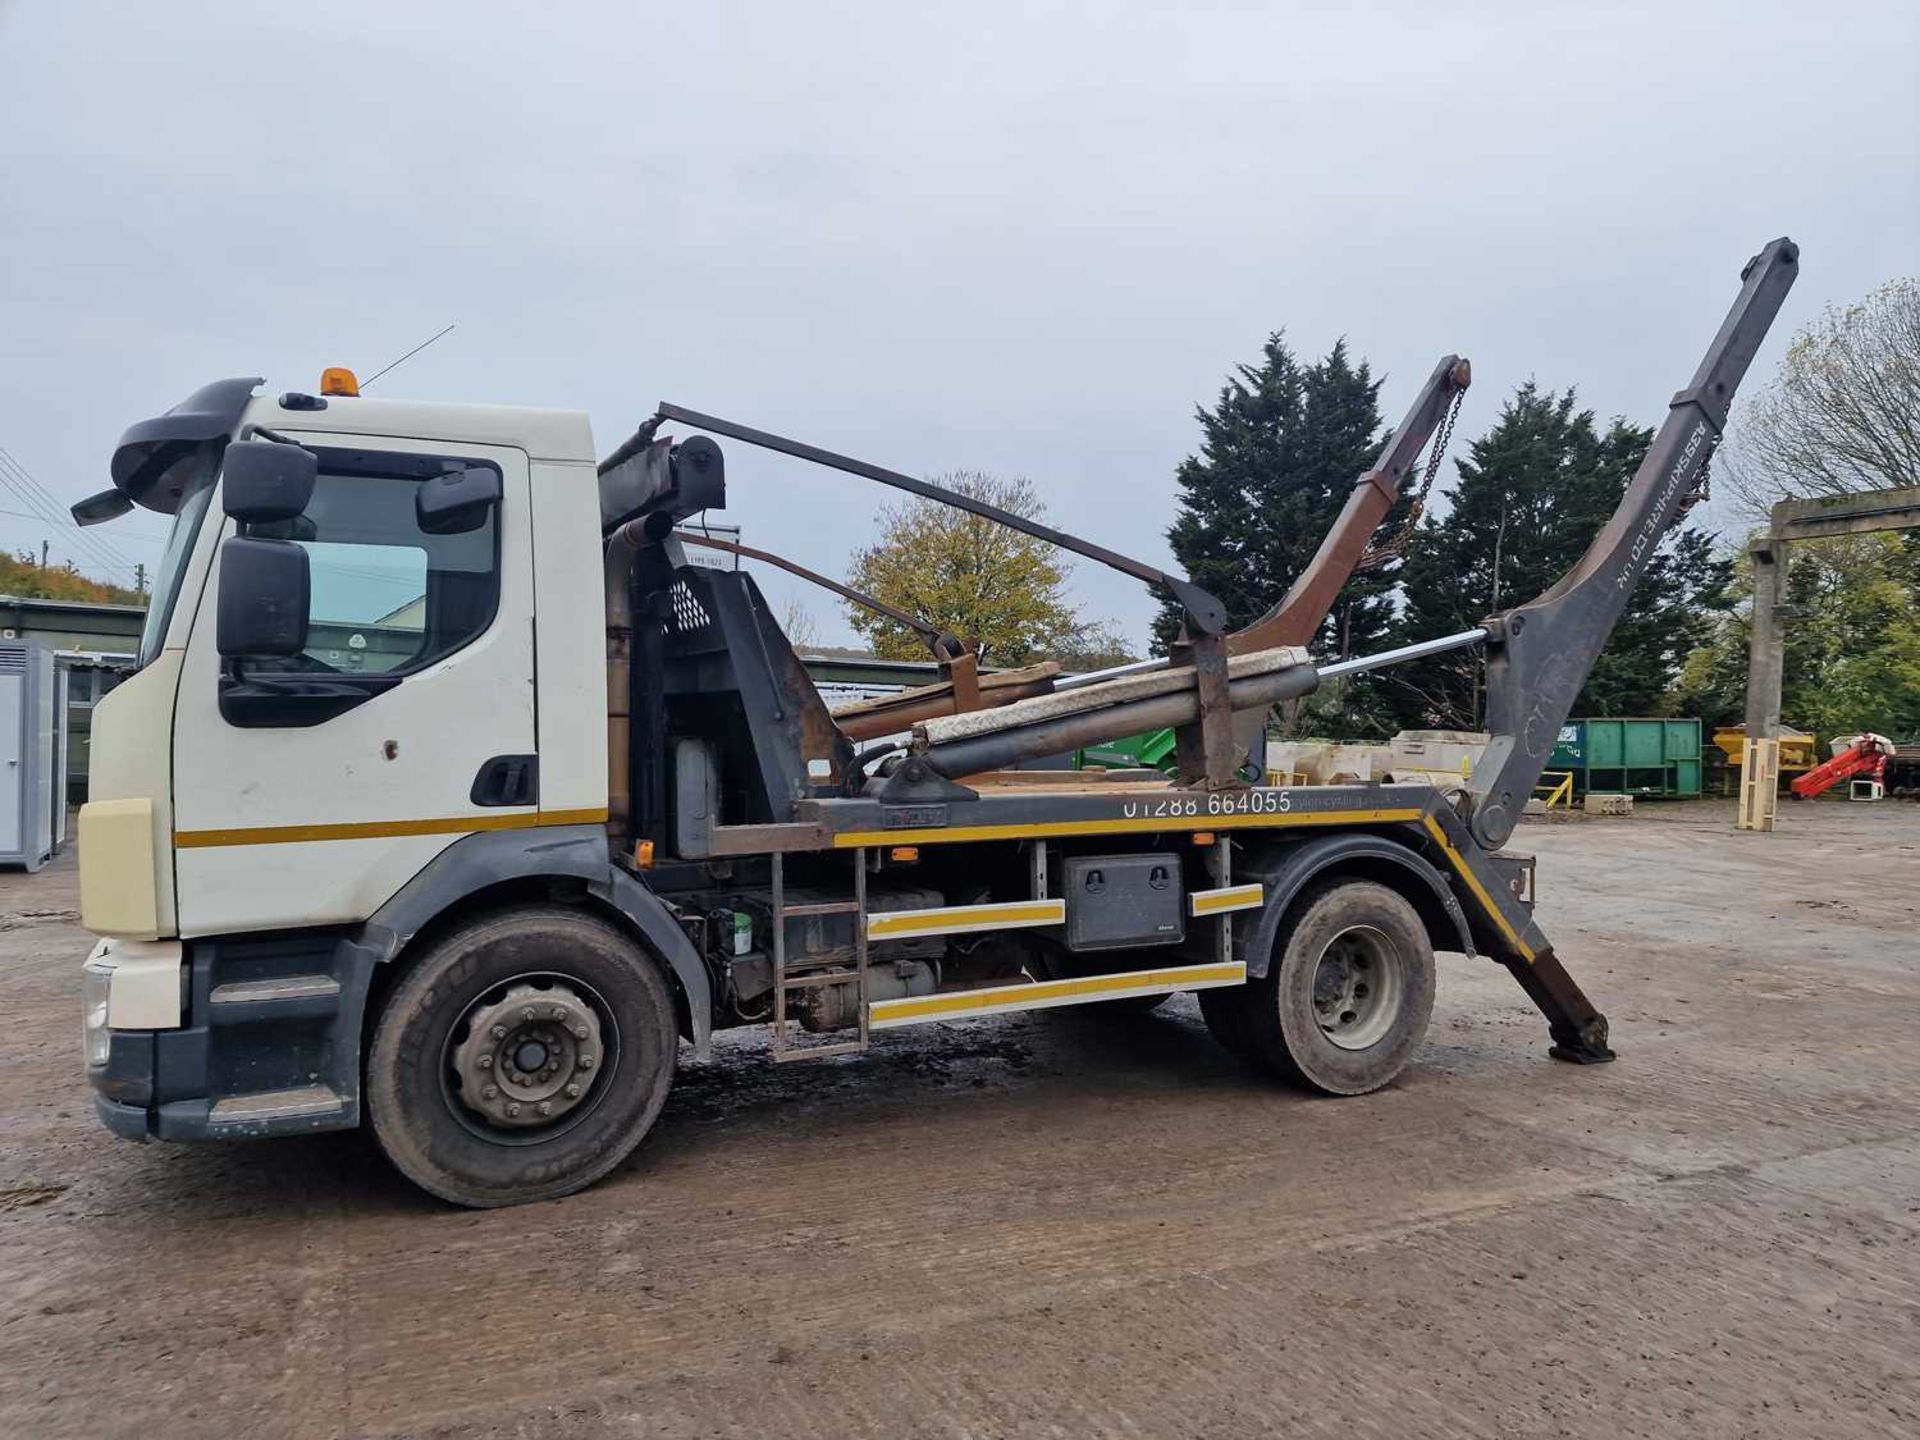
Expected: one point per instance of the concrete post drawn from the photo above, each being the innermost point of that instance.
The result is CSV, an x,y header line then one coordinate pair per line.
x,y
1767,654
1766,658
1793,521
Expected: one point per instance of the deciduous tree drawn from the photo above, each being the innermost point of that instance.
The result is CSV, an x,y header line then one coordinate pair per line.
x,y
1852,644
1843,414
998,588
798,623
24,575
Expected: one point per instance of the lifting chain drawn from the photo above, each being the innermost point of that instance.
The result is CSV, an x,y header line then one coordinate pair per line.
x,y
1395,546
1703,487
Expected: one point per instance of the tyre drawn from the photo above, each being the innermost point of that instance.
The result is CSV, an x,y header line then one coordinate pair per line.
x,y
1222,1009
521,1057
1346,998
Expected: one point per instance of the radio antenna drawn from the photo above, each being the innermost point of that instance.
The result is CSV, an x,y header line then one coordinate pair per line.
x,y
404,358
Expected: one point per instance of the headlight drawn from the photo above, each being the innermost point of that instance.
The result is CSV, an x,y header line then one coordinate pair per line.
x,y
96,983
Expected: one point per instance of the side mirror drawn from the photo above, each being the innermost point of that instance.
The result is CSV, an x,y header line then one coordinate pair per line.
x,y
264,482
107,505
457,501
263,597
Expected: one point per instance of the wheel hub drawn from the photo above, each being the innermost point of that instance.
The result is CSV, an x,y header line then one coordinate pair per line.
x,y
1356,988
529,1057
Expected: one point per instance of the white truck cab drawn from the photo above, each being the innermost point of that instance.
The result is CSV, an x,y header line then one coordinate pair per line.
x,y
212,783
431,699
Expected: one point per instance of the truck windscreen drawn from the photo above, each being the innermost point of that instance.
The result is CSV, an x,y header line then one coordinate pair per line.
x,y
173,564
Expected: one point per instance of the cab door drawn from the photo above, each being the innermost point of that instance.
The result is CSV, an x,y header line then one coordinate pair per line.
x,y
407,721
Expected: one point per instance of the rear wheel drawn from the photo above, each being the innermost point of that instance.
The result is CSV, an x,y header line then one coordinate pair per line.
x,y
521,1058
1346,999
1222,1009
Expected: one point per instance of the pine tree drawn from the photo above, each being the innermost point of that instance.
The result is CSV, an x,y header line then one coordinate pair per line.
x,y
1532,493
1279,451
1674,610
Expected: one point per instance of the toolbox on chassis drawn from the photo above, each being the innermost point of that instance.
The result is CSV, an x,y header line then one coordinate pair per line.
x,y
387,826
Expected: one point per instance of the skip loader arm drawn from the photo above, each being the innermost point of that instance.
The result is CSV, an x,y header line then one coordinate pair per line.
x,y
1296,618
1540,654
1206,749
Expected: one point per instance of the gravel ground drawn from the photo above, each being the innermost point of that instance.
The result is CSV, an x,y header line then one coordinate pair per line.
x,y
1058,1225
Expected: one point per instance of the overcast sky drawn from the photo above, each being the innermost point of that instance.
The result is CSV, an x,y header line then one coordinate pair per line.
x,y
1020,238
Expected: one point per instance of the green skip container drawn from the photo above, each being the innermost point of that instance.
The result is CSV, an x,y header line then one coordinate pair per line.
x,y
1648,757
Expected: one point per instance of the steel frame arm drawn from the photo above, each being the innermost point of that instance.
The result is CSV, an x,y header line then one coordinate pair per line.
x,y
1297,617
1540,653
941,645
1205,613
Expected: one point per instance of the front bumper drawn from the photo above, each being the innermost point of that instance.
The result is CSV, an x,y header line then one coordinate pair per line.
x,y
129,1122
123,1079
154,1085
248,1053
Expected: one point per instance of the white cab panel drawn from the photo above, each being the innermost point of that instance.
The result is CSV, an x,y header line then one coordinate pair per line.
x,y
404,759
128,762
569,591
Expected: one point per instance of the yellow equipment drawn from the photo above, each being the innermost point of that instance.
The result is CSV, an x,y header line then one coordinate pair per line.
x,y
1796,748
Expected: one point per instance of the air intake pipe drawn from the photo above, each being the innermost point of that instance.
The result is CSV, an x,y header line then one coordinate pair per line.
x,y
647,487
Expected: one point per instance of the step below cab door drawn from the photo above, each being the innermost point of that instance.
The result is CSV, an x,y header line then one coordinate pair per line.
x,y
308,788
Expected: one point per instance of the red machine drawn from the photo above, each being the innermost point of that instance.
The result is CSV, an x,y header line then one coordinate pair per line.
x,y
1862,757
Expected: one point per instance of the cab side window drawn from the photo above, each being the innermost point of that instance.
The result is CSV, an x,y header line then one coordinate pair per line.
x,y
385,596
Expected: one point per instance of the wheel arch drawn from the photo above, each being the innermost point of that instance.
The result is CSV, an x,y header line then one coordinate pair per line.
x,y
494,870
1285,871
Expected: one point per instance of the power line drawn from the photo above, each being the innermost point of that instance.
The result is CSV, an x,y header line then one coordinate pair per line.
x,y
52,504
77,562
43,522
90,552
60,511
88,558
15,477
36,497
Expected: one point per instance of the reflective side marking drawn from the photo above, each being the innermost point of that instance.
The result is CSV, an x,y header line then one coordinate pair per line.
x,y
1459,863
378,829
1150,825
963,919
1229,897
1045,994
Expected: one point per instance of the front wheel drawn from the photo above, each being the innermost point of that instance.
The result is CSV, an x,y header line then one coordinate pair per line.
x,y
1346,998
521,1058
